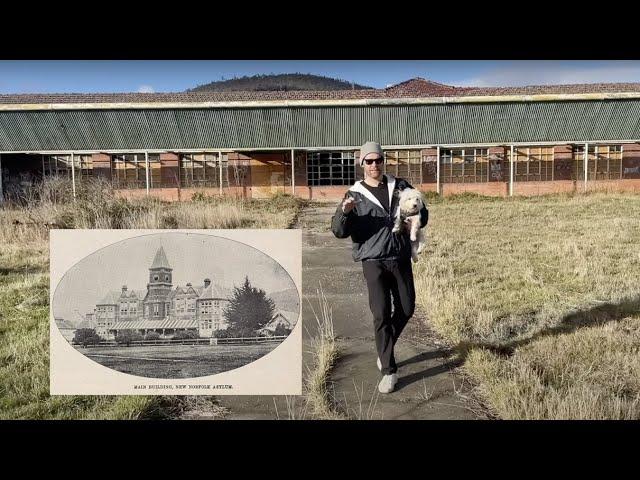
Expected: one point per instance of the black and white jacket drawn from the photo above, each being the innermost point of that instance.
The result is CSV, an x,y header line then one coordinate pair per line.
x,y
369,225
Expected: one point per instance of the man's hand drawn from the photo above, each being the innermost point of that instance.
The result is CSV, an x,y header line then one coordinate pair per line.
x,y
349,204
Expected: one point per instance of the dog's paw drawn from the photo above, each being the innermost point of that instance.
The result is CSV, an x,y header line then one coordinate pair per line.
x,y
413,237
395,229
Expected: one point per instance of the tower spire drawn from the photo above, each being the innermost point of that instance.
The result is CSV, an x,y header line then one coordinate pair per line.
x,y
160,260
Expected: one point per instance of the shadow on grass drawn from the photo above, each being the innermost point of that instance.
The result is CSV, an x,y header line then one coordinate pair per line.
x,y
592,317
26,270
596,316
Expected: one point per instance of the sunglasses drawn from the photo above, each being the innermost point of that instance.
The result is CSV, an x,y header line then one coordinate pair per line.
x,y
371,161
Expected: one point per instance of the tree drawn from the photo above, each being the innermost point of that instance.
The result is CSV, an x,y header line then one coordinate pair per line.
x,y
86,336
248,310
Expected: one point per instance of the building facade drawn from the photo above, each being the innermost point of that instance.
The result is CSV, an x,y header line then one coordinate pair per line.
x,y
161,308
493,141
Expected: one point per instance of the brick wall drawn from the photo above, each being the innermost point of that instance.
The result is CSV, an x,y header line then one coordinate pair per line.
x,y
494,189
630,185
542,188
427,187
335,194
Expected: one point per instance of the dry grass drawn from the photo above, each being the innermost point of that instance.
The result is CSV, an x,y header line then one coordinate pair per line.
x,y
24,289
593,373
97,206
325,353
544,284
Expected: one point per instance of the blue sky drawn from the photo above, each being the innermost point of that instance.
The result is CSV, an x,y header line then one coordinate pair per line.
x,y
175,76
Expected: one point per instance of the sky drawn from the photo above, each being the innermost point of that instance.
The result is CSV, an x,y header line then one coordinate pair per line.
x,y
174,76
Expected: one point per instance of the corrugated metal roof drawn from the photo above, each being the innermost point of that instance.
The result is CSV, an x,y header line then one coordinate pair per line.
x,y
149,324
291,127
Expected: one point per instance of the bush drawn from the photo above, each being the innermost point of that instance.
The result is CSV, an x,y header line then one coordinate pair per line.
x,y
221,333
125,337
185,335
237,332
278,202
152,336
199,197
86,336
281,330
120,211
431,196
231,332
169,220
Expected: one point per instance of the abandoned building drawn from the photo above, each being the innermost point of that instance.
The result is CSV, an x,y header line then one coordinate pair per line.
x,y
162,308
493,141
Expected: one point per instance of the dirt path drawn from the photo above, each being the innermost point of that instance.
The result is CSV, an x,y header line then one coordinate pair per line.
x,y
426,388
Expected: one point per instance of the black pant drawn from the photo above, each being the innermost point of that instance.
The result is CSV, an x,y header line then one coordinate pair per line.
x,y
387,279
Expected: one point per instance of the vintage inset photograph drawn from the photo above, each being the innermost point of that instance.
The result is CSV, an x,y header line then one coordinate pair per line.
x,y
176,305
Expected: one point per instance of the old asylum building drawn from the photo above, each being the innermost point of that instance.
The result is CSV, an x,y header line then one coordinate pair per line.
x,y
494,141
161,308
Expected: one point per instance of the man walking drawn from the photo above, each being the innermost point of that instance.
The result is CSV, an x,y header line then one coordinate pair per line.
x,y
367,215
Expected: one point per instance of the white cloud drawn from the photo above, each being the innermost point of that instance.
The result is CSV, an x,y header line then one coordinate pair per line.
x,y
550,73
145,89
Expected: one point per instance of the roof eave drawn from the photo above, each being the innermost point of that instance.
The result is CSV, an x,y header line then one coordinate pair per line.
x,y
323,103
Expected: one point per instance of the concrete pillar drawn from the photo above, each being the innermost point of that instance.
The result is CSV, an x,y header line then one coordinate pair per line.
x,y
511,172
1,190
146,163
73,176
438,170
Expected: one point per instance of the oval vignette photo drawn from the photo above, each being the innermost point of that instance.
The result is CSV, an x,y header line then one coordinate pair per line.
x,y
175,305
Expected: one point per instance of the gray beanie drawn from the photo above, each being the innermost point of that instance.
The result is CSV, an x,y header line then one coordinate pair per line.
x,y
370,147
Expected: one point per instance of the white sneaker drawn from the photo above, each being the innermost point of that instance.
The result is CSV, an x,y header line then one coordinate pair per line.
x,y
379,363
388,383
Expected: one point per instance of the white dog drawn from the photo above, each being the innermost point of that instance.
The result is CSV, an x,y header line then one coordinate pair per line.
x,y
409,206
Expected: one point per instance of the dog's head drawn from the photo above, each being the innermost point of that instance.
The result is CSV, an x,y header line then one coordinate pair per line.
x,y
410,201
